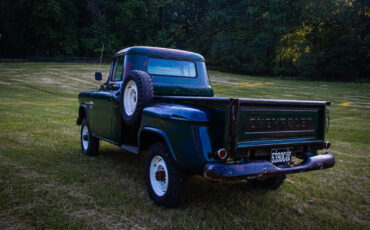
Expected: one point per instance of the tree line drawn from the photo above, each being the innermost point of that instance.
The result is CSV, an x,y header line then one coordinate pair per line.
x,y
308,38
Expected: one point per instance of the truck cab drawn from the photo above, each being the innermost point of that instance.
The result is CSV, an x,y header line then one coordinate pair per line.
x,y
160,100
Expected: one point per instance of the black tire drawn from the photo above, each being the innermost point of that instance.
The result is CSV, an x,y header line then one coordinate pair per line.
x,y
92,147
177,180
144,95
271,183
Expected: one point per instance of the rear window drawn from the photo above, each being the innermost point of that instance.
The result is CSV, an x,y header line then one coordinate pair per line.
x,y
168,67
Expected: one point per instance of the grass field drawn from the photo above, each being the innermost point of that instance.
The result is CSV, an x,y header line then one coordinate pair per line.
x,y
46,183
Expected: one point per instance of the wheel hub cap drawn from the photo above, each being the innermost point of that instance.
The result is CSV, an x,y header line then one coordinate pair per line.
x,y
85,137
158,175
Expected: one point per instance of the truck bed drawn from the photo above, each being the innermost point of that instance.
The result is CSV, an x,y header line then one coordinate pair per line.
x,y
263,124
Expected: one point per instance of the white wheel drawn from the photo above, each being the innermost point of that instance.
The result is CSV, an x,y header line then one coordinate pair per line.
x,y
85,137
130,97
158,175
89,143
165,183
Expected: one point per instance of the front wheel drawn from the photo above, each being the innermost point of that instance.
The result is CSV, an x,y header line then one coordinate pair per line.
x,y
166,184
89,143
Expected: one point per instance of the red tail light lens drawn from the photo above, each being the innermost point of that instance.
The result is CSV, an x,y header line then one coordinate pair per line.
x,y
222,153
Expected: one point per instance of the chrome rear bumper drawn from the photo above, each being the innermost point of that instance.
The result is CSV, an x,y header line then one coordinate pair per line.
x,y
220,171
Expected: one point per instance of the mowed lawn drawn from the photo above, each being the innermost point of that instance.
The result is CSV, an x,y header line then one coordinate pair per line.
x,y
46,183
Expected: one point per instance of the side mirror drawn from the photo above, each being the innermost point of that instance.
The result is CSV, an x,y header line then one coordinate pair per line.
x,y
98,76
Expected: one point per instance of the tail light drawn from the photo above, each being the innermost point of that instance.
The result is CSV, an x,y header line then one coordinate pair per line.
x,y
327,145
222,154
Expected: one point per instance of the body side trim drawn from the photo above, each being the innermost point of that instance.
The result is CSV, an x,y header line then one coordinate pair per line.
x,y
105,139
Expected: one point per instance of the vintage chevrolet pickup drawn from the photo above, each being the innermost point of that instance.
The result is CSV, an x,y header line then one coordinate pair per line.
x,y
160,100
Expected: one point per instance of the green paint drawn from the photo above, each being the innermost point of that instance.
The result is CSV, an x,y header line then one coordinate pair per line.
x,y
193,122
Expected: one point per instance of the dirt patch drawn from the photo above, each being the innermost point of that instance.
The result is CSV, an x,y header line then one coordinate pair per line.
x,y
4,83
77,79
345,103
46,80
244,83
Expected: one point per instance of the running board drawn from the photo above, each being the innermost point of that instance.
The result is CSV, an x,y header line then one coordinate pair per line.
x,y
130,148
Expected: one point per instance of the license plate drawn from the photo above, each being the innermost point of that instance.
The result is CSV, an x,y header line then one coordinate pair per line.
x,y
281,155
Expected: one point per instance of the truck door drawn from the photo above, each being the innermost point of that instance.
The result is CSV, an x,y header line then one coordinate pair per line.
x,y
104,99
115,115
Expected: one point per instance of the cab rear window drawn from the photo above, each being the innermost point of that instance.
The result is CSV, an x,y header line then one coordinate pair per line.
x,y
168,67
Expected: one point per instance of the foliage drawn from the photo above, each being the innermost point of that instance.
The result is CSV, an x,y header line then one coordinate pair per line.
x,y
312,39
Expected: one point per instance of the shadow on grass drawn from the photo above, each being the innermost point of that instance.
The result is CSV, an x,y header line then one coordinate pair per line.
x,y
205,192
200,191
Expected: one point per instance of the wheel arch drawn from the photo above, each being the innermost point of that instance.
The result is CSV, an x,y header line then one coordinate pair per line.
x,y
82,113
150,135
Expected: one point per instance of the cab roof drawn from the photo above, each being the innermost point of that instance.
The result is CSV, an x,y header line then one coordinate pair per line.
x,y
160,52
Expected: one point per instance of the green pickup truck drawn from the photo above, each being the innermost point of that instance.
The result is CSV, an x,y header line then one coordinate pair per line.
x,y
160,100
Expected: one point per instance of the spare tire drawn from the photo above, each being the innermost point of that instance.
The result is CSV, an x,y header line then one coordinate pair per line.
x,y
136,93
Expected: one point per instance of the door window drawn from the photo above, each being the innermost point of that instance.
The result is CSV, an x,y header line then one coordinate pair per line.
x,y
118,72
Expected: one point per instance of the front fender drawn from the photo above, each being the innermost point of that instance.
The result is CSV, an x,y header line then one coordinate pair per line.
x,y
82,112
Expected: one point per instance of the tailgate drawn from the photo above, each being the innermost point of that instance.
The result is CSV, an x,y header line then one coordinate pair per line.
x,y
254,123
263,123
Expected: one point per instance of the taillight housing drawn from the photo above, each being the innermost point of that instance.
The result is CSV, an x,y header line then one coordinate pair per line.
x,y
327,144
221,153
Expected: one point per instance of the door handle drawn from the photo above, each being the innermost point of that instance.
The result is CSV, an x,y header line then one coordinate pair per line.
x,y
89,103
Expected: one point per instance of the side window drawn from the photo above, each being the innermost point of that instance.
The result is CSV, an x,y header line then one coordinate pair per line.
x,y
118,69
111,69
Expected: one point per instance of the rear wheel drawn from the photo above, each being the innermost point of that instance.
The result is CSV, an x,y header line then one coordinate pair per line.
x,y
272,183
166,184
89,143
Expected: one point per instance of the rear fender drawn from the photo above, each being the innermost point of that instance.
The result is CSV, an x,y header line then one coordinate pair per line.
x,y
185,129
157,132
